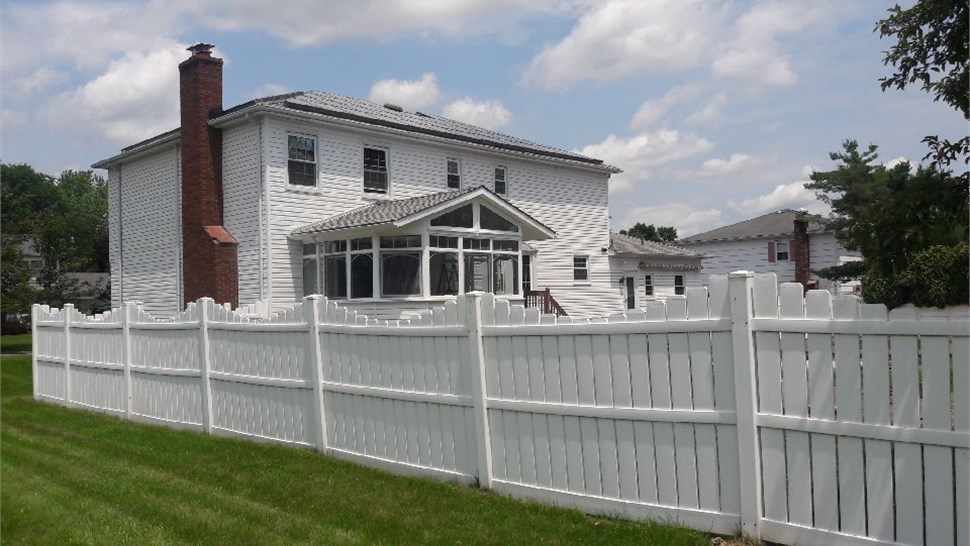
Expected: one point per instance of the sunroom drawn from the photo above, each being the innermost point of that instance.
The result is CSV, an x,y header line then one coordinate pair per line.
x,y
400,253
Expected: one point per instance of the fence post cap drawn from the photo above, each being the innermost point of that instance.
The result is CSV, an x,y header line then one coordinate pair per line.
x,y
742,274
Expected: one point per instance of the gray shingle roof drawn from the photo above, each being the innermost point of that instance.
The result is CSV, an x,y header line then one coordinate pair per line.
x,y
381,212
624,244
773,224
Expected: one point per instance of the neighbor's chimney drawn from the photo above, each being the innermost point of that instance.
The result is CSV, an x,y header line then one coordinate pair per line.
x,y
799,249
209,265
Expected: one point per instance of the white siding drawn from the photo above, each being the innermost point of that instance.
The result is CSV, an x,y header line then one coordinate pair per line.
x,y
721,258
663,279
241,205
824,250
572,202
146,232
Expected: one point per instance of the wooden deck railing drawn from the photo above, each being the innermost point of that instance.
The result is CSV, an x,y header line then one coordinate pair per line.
x,y
545,302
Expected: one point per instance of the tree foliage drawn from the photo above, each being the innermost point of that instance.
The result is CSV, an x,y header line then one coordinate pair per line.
x,y
659,234
904,223
931,49
64,219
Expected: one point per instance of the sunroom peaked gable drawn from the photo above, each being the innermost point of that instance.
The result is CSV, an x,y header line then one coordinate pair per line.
x,y
398,213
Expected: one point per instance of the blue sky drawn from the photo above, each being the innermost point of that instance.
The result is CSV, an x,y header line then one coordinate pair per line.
x,y
717,111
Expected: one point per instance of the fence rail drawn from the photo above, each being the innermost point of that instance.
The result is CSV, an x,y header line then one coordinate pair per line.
x,y
795,418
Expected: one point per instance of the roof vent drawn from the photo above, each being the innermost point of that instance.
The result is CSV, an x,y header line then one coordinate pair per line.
x,y
394,107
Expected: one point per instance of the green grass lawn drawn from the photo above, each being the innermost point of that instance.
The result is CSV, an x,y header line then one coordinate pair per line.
x,y
19,343
70,476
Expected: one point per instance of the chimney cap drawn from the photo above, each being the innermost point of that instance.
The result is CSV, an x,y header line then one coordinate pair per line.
x,y
200,49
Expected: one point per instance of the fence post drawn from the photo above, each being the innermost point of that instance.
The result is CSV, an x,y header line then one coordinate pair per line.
x,y
205,307
34,316
126,318
745,389
68,310
311,314
473,321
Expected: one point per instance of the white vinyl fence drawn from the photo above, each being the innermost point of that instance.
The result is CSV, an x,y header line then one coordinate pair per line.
x,y
744,406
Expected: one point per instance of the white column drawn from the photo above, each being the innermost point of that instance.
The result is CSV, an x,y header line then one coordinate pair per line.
x,y
745,387
34,317
473,321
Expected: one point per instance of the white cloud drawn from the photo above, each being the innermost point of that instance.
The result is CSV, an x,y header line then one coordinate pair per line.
x,y
619,37
38,80
653,110
722,167
639,154
327,21
784,196
409,94
135,98
757,64
486,113
688,220
711,111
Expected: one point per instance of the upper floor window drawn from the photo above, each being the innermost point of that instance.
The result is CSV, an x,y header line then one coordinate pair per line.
x,y
375,170
501,186
302,160
580,268
454,173
777,251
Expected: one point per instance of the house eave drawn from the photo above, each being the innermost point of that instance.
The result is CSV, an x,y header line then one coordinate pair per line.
x,y
139,149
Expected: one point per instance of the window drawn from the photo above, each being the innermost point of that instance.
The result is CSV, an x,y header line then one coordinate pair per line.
x,y
500,181
401,269
361,268
335,269
679,285
781,251
526,272
302,164
648,284
444,273
461,217
454,173
580,268
490,220
375,170
476,272
311,283
505,274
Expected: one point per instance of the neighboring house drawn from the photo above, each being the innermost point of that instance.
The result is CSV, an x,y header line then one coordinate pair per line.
x,y
89,284
784,242
647,270
311,192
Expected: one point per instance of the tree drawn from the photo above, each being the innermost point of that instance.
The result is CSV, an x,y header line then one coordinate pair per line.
x,y
932,49
911,227
661,234
64,219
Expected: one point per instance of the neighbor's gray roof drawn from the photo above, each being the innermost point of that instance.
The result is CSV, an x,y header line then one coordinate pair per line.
x,y
381,212
624,244
773,224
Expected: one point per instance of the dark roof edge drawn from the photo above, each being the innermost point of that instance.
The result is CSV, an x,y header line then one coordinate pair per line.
x,y
139,147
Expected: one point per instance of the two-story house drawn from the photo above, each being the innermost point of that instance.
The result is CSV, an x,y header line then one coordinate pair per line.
x,y
385,209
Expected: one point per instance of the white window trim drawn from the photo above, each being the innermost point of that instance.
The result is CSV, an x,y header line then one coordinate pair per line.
x,y
387,155
682,285
448,173
315,188
580,282
504,169
778,251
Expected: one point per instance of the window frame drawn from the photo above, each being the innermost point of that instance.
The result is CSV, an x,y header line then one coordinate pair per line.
x,y
370,193
584,268
505,180
448,174
779,252
648,285
680,288
315,162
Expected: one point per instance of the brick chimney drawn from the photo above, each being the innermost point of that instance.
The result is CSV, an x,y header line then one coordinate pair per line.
x,y
209,265
799,250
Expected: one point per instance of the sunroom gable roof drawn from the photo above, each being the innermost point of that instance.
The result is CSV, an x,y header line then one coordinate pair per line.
x,y
398,213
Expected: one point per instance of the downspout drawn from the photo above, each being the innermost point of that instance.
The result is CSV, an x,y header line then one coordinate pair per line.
x,y
121,241
260,205
264,186
180,278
